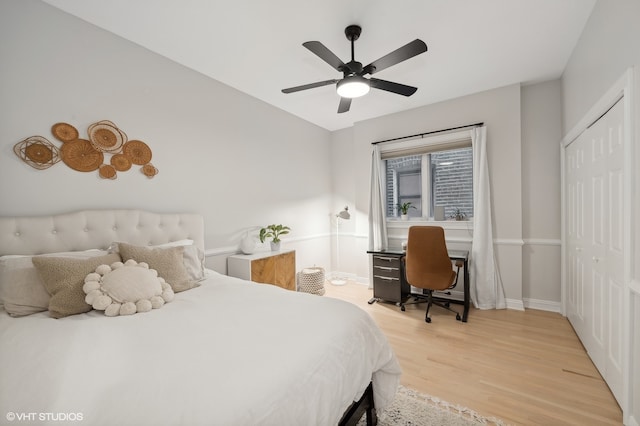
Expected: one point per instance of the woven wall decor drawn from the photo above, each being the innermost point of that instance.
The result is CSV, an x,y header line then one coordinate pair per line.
x,y
88,155
65,132
107,171
120,162
106,137
80,155
149,170
137,152
37,152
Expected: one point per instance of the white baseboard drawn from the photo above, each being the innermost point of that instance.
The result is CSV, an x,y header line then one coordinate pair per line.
x,y
338,274
543,305
515,304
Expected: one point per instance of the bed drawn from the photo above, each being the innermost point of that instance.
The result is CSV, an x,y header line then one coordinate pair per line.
x,y
221,352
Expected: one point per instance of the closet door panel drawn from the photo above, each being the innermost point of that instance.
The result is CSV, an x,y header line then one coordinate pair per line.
x,y
575,235
598,313
613,359
614,246
598,318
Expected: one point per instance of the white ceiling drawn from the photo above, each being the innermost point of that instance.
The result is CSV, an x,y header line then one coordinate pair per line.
x,y
256,46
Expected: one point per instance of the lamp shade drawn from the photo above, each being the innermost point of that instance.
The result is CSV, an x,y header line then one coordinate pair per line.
x,y
353,87
344,214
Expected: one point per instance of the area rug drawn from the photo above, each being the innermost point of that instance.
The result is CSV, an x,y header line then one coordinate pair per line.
x,y
411,408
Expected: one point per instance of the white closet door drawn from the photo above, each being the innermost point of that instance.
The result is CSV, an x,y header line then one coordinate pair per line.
x,y
576,210
595,250
612,250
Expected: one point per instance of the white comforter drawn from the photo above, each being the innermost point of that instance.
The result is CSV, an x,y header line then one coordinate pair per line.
x,y
226,353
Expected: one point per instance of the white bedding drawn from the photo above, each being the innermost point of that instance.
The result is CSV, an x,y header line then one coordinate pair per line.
x,y
229,352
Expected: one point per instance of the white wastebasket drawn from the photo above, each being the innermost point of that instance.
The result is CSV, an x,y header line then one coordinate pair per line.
x,y
311,280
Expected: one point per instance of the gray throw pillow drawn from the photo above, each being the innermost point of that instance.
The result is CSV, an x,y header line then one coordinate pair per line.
x,y
167,261
64,277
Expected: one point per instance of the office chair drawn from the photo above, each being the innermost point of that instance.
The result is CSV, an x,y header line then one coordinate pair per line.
x,y
428,266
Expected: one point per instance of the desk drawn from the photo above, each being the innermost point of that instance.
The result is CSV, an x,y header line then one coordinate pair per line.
x,y
394,282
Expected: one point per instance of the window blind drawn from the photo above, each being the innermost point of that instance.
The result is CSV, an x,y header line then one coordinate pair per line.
x,y
425,145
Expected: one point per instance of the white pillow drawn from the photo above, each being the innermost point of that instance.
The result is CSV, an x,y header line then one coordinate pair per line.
x,y
22,291
126,288
178,243
193,257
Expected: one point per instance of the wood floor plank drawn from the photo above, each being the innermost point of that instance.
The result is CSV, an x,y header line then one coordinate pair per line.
x,y
526,368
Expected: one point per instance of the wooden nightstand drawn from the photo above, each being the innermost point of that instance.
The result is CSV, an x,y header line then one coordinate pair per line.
x,y
274,267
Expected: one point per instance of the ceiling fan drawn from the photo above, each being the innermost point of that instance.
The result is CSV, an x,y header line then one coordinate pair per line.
x,y
354,84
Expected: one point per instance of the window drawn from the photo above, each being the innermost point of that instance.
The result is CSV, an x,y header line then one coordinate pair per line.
x,y
430,176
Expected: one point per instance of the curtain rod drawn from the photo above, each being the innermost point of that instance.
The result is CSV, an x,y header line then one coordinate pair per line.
x,y
430,133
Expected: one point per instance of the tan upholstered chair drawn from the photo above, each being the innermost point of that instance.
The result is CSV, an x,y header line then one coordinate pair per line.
x,y
428,266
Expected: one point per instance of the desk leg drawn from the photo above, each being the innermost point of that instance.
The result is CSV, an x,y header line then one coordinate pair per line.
x,y
467,292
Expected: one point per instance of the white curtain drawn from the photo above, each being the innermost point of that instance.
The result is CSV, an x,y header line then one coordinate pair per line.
x,y
377,219
486,288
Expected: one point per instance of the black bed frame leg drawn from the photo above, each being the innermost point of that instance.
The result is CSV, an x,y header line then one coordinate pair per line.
x,y
372,416
363,406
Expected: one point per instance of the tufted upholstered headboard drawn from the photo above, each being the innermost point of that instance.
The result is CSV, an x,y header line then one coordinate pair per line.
x,y
89,229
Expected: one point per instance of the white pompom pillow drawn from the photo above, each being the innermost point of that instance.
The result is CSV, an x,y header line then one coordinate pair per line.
x,y
126,288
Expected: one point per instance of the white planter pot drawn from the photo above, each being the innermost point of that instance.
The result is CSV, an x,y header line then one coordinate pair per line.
x,y
404,217
275,246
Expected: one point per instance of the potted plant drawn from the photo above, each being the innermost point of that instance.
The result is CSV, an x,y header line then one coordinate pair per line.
x,y
274,232
458,214
404,210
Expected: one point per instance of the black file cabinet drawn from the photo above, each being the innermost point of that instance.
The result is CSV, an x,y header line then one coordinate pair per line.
x,y
389,282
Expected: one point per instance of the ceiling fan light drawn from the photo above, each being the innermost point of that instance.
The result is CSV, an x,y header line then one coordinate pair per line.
x,y
353,87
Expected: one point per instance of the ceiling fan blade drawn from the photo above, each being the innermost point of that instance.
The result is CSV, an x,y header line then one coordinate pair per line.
x,y
390,86
309,86
407,51
325,54
345,104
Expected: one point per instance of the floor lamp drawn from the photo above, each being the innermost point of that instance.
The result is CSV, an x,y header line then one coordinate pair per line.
x,y
344,214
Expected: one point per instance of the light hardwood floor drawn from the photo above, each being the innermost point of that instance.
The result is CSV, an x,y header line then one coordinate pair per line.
x,y
526,368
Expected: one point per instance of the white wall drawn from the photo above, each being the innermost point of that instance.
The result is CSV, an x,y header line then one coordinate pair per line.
x,y
609,44
541,134
232,158
345,250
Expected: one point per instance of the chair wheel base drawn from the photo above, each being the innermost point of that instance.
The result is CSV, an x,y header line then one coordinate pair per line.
x,y
427,319
458,317
402,308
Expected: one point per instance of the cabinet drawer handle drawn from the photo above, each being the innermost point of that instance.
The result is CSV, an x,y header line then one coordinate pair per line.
x,y
385,278
388,259
386,268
